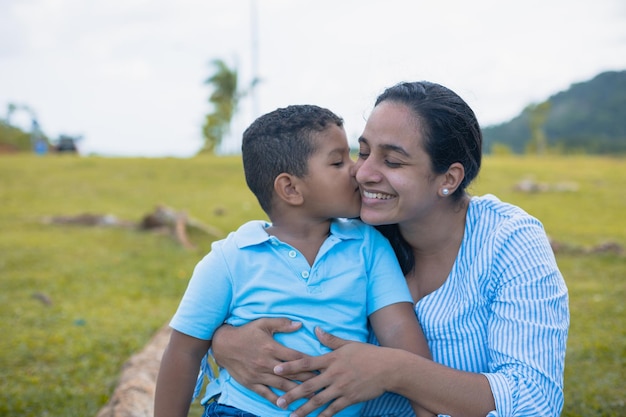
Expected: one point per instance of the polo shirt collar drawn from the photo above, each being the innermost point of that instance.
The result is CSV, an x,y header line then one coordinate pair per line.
x,y
253,232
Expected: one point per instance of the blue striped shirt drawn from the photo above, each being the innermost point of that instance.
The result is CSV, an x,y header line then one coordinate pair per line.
x,y
502,312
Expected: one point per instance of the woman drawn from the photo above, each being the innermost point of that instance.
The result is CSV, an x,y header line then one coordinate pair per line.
x,y
488,292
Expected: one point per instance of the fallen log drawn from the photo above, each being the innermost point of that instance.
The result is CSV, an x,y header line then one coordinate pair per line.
x,y
163,219
177,222
134,394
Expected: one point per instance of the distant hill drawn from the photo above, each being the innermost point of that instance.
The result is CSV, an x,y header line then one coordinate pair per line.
x,y
589,117
13,139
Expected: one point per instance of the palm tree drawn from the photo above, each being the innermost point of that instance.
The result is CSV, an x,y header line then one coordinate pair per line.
x,y
225,99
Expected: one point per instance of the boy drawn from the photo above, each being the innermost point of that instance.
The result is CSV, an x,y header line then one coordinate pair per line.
x,y
305,265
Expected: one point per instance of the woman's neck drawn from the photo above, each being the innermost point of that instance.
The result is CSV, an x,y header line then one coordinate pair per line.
x,y
440,233
435,245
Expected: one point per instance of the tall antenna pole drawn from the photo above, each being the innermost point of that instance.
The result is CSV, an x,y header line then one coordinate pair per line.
x,y
255,58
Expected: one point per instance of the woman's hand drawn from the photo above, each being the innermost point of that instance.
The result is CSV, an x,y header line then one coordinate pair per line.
x,y
250,353
352,373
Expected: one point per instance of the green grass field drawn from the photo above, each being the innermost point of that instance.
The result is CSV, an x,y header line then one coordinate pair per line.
x,y
111,289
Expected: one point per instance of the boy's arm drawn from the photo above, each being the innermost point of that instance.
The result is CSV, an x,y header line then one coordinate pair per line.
x,y
396,326
178,374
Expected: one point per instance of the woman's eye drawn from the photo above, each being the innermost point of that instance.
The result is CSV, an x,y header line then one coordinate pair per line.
x,y
362,155
392,164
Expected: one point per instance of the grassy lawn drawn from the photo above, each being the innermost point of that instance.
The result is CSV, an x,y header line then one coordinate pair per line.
x,y
76,302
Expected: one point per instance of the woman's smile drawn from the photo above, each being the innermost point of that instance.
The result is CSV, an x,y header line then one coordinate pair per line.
x,y
376,195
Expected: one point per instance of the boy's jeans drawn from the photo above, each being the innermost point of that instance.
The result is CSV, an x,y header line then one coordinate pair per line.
x,y
214,409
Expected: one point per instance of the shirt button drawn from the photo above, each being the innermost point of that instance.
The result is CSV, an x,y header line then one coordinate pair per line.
x,y
305,274
292,253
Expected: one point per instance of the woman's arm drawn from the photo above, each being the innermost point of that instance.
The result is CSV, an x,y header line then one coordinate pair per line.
x,y
356,372
250,353
529,322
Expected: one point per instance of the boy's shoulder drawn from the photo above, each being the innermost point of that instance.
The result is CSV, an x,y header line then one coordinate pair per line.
x,y
253,226
250,233
352,228
347,224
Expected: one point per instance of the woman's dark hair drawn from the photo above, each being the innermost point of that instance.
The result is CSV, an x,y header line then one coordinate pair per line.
x,y
450,132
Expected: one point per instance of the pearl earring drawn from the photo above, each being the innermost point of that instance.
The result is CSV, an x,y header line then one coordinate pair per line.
x,y
445,191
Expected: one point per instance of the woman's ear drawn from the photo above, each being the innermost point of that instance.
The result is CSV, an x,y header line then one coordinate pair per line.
x,y
287,189
453,177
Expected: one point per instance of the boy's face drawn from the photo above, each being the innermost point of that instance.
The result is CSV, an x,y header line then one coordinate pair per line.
x,y
330,190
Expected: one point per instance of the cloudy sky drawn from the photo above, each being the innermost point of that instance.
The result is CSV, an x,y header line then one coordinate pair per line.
x,y
128,75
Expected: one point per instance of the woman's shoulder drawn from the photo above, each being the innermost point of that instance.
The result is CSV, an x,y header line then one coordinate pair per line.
x,y
488,207
487,214
492,203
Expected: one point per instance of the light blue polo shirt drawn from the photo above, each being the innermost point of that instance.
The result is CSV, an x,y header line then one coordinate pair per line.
x,y
250,274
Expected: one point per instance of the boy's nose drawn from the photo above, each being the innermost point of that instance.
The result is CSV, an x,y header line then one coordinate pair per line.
x,y
353,169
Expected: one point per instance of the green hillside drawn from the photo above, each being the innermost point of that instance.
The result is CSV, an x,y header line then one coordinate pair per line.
x,y
589,117
13,139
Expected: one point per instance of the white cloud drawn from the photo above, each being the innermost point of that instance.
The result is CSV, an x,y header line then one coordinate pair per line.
x,y
128,74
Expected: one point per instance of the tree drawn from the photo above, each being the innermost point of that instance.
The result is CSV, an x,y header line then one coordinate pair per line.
x,y
537,117
14,138
224,99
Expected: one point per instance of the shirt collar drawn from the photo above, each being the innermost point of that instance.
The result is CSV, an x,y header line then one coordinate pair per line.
x,y
253,232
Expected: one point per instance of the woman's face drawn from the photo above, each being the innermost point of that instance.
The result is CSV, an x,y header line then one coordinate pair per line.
x,y
393,170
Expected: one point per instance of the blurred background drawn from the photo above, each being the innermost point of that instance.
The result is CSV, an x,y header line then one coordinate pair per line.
x,y
85,284
129,77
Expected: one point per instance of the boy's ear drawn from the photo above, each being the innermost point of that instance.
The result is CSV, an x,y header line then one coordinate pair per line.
x,y
287,189
453,177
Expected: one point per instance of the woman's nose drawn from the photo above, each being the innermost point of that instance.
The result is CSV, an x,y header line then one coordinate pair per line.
x,y
365,171
360,170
